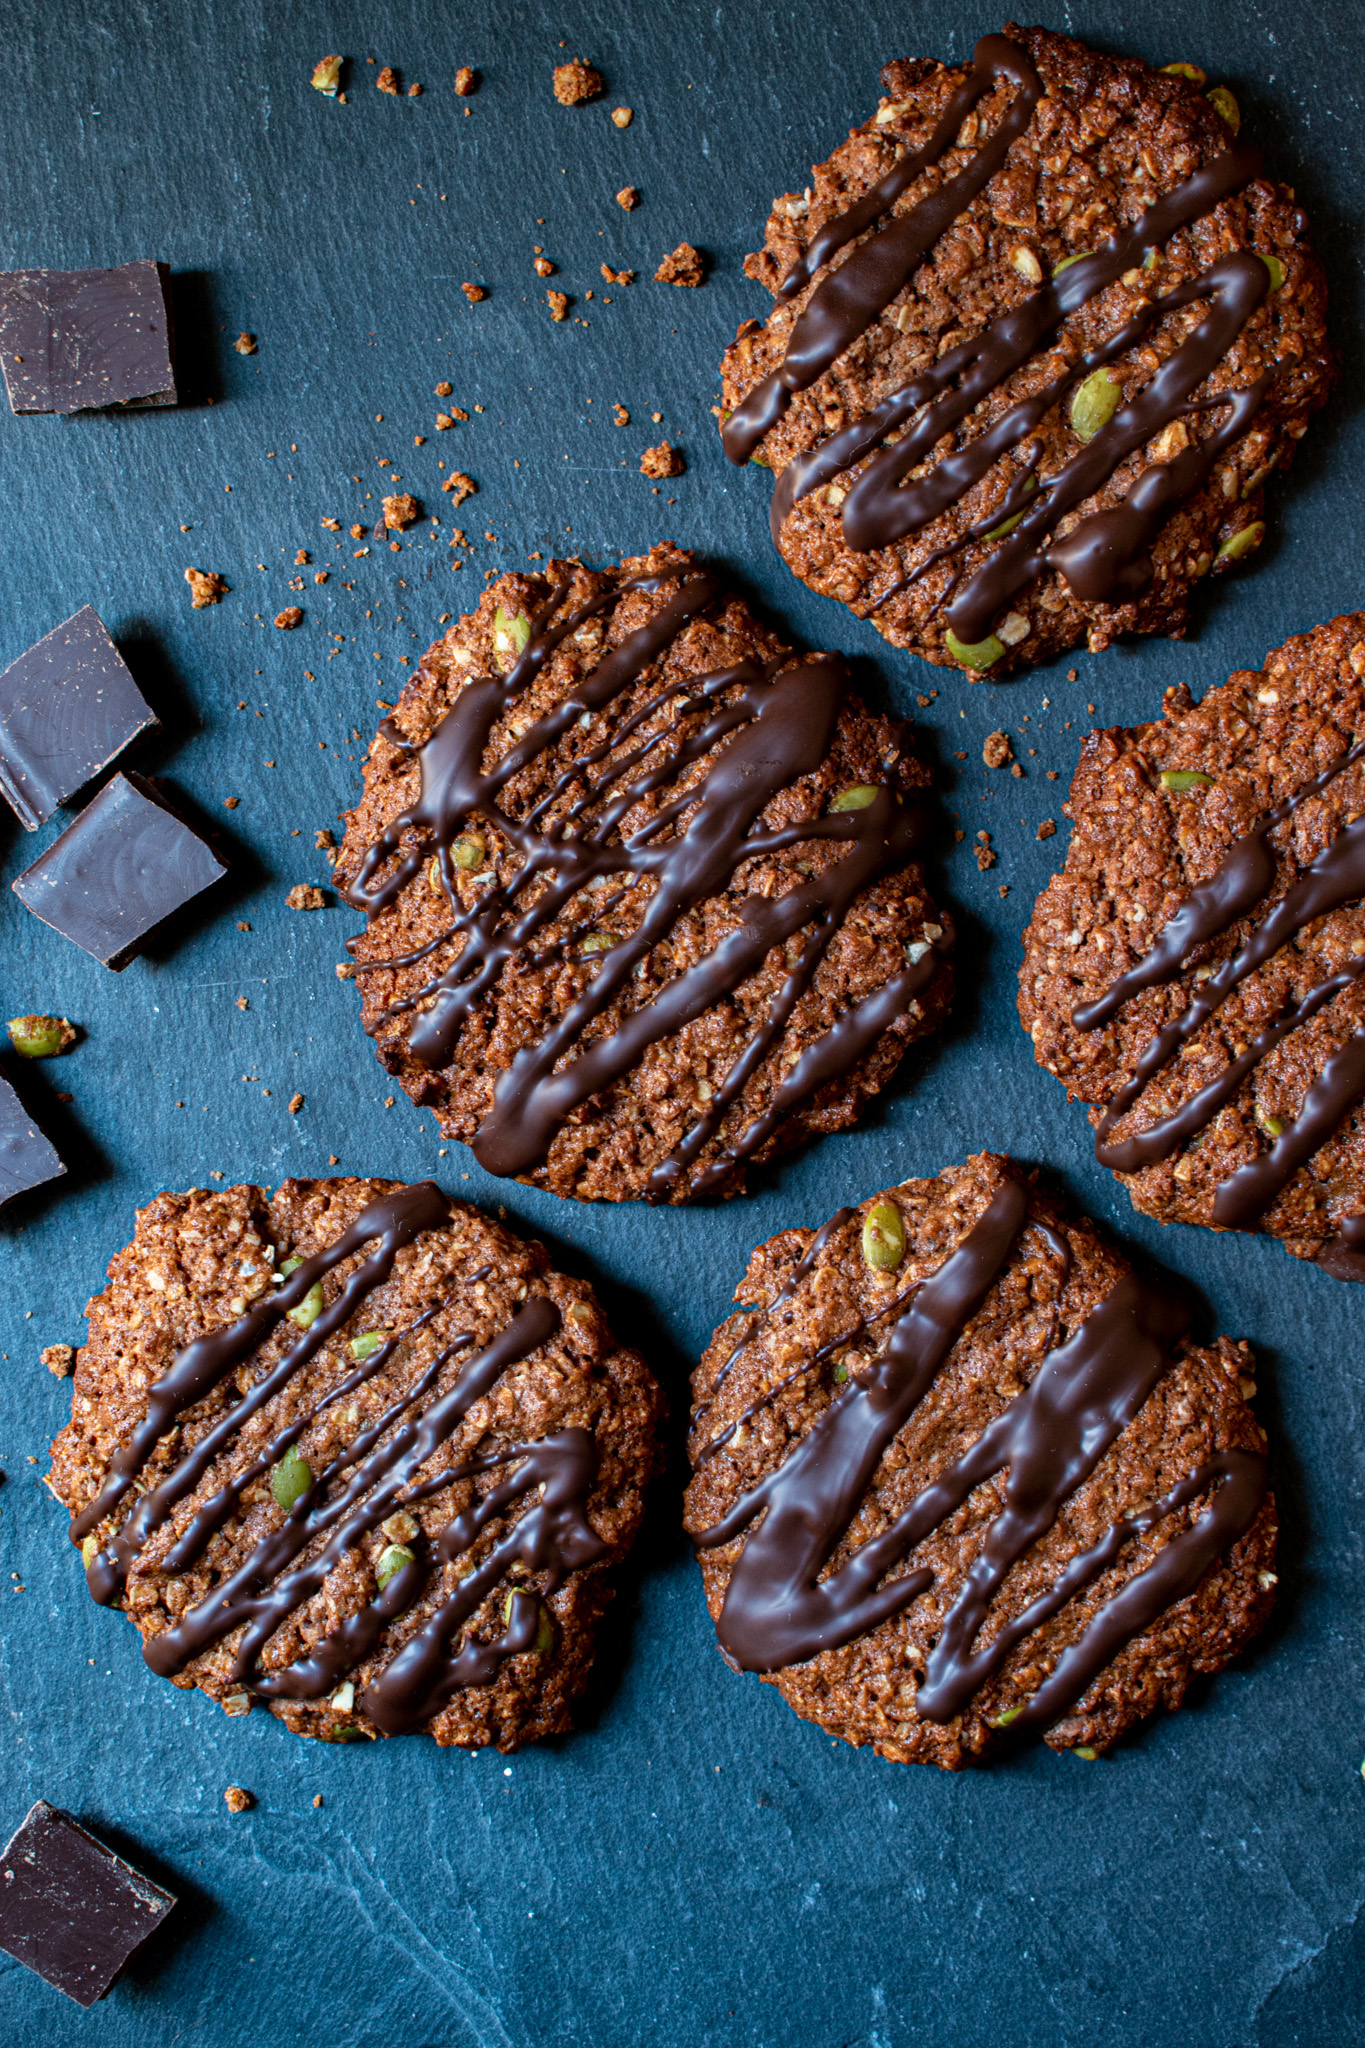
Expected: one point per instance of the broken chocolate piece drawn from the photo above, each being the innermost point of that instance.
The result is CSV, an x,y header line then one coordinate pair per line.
x,y
75,340
26,1161
68,708
70,1909
126,863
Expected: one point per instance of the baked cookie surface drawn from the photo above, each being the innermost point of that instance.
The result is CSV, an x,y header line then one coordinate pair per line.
x,y
960,1471
1042,329
357,1454
1197,971
641,884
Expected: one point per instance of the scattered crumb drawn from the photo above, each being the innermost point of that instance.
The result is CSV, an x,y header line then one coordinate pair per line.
x,y
443,420
242,1003
295,1104
302,557
414,91
1046,829
245,344
466,81
320,575
58,1358
473,292
327,76
543,267
460,486
684,266
576,82
332,525
333,1159
344,970
617,276
303,896
1016,769
238,1799
290,617
1052,774
387,80
317,1796
242,925
559,305
357,533
997,750
401,510
984,857
662,461
444,388
230,803
323,839
621,416
622,116
206,587
1004,888
628,197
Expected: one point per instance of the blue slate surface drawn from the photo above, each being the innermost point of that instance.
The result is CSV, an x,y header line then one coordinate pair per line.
x,y
694,1866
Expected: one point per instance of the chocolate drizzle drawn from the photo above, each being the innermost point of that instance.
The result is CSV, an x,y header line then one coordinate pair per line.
x,y
765,727
378,1473
1106,557
1243,878
782,1605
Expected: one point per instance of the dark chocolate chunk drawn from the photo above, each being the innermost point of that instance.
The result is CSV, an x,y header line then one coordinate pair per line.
x,y
26,1157
70,1909
68,708
72,340
126,863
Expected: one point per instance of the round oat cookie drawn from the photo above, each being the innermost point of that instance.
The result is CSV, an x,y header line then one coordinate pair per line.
x,y
356,1453
1042,330
960,1474
643,896
1197,971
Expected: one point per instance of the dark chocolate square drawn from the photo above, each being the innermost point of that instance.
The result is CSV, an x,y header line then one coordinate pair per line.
x,y
68,708
26,1157
70,1909
74,340
125,864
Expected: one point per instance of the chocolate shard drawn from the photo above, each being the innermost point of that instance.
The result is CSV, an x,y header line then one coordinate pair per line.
x,y
70,1909
68,708
26,1157
125,864
75,340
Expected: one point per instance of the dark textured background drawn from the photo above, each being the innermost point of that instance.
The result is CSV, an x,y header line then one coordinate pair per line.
x,y
694,1866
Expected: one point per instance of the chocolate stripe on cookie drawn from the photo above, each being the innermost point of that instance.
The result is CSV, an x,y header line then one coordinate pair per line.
x,y
1242,879
1105,557
379,1473
766,727
779,1610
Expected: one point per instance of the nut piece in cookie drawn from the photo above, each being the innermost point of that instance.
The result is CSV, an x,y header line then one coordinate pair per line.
x,y
643,886
959,1470
1197,971
1043,328
358,1455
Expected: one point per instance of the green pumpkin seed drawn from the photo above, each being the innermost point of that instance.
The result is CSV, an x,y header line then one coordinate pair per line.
x,y
1094,403
974,653
597,942
468,851
1180,70
288,1266
1184,778
760,462
291,1479
1003,1720
545,1628
39,1038
1244,543
1085,1753
1067,262
840,1373
511,631
1223,103
89,1550
1276,269
347,1733
368,1342
1008,525
883,1237
858,798
306,1312
392,1561
1271,1125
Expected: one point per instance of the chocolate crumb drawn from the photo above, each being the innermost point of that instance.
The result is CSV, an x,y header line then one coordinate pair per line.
x,y
662,461
206,587
576,82
303,896
683,266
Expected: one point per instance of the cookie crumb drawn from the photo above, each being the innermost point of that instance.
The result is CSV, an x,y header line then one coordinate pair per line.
x,y
401,509
344,970
543,267
1046,829
239,1800
303,896
387,80
466,82
58,1358
683,266
621,416
473,292
662,460
622,116
414,91
460,486
245,344
576,82
327,75
617,276
290,617
559,305
333,1159
444,388
628,197
997,750
206,587
295,1104
242,1003
317,1796
984,856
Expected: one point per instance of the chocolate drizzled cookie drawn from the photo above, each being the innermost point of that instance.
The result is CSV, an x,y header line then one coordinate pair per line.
x,y
643,896
959,1470
358,1454
1197,971
1042,330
